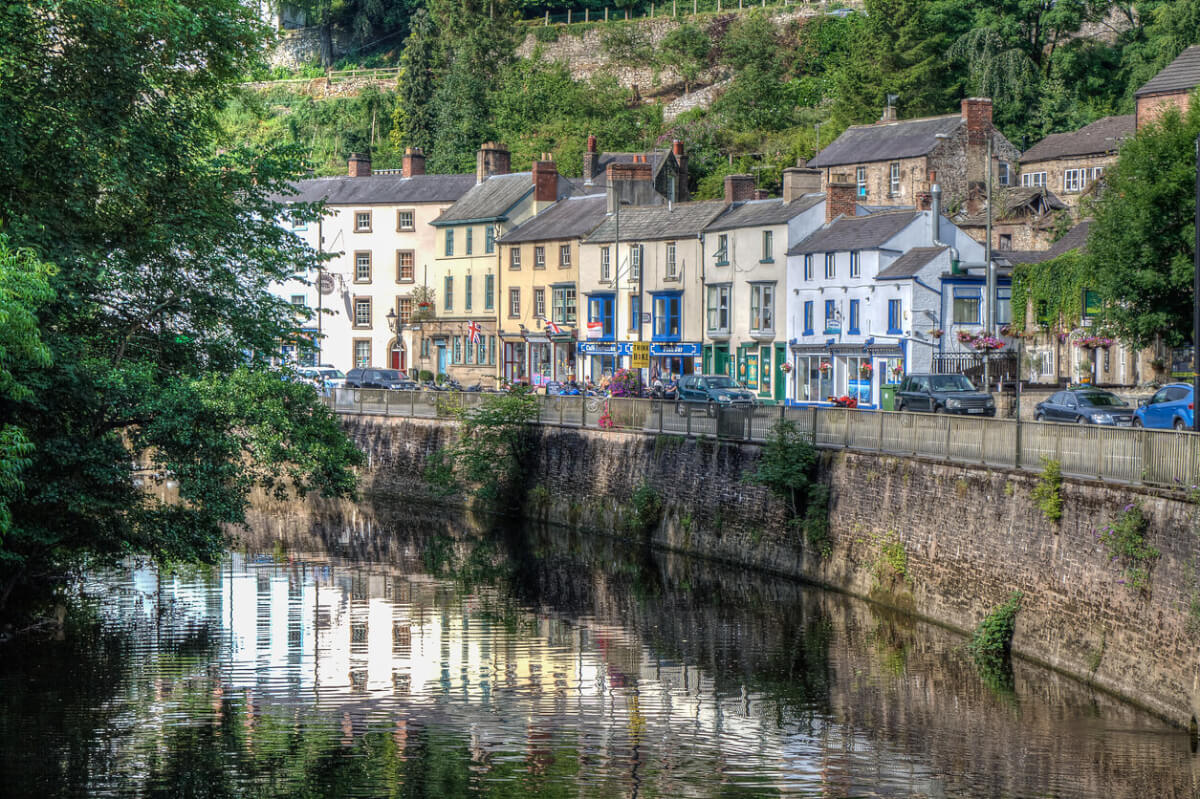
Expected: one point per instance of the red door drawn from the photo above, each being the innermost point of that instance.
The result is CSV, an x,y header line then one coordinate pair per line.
x,y
398,359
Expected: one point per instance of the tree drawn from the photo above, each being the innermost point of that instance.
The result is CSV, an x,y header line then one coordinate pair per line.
x,y
159,326
412,120
1141,244
686,48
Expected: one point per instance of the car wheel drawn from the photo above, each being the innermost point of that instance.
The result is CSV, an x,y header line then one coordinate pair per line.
x,y
900,407
1039,417
1137,423
1179,425
1082,420
938,409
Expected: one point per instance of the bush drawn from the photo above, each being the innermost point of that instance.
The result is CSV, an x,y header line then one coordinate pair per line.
x,y
1046,493
425,376
1125,540
788,467
546,33
992,643
647,507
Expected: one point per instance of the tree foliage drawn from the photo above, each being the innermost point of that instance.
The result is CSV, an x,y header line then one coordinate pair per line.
x,y
155,317
1141,244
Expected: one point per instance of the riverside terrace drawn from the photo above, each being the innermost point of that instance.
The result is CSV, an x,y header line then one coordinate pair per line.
x,y
1166,459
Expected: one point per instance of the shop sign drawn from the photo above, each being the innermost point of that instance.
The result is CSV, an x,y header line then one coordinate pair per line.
x,y
596,348
639,354
681,349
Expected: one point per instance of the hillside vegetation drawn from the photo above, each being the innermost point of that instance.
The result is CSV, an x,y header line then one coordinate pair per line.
x,y
1049,65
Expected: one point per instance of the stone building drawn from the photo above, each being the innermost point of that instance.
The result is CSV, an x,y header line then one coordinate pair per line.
x,y
894,162
1172,87
377,225
667,170
538,284
1069,163
1024,218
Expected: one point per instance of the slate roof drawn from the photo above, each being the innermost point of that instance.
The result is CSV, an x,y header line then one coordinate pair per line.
x,y
755,213
910,263
656,222
1100,137
855,233
886,141
492,198
1181,74
566,219
376,189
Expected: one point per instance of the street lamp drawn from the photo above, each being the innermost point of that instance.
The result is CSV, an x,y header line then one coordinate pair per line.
x,y
391,320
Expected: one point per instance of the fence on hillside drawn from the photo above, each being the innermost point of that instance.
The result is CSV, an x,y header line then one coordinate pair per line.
x,y
1126,455
338,76
678,8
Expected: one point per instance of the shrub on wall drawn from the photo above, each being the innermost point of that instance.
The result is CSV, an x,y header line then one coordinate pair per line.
x,y
1125,540
1047,493
788,467
991,644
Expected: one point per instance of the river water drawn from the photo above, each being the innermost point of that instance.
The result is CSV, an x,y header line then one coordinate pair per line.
x,y
344,656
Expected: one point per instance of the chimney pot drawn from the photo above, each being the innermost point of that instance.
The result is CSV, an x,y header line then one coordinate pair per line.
x,y
359,165
591,143
414,162
677,147
545,180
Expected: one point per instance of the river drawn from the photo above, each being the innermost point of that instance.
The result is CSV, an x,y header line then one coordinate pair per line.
x,y
361,653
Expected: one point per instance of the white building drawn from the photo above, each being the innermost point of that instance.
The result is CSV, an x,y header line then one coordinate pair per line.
x,y
378,228
869,302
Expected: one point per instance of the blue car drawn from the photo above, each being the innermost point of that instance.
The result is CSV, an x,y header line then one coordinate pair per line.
x,y
1170,407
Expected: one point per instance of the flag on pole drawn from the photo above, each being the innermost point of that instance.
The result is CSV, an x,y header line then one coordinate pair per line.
x,y
552,326
474,330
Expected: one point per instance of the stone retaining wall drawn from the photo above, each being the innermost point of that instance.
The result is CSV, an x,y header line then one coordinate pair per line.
x,y
970,536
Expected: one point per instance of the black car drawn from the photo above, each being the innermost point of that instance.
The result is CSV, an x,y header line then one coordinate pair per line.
x,y
379,378
1085,406
710,392
943,394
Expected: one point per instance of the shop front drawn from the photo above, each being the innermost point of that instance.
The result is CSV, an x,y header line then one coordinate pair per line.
x,y
760,369
671,359
845,372
516,359
600,358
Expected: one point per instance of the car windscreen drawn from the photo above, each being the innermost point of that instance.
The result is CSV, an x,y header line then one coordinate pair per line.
x,y
1101,399
719,382
334,373
389,374
950,383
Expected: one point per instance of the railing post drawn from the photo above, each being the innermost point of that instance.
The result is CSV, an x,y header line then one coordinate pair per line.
x,y
688,416
983,444
660,416
815,410
358,399
583,410
1017,438
412,403
879,440
845,428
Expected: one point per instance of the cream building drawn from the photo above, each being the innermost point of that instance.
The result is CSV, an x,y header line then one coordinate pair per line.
x,y
377,228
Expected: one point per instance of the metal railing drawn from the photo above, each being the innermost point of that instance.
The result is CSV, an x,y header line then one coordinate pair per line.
x,y
1163,458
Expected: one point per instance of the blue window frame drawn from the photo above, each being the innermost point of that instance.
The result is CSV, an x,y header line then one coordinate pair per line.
x,y
489,292
808,318
600,309
854,316
489,238
450,242
469,232
635,312
830,315
668,317
895,316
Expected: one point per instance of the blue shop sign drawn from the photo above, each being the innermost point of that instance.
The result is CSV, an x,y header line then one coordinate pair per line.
x,y
679,349
596,348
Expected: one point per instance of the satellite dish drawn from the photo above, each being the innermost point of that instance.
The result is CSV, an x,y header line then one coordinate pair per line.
x,y
325,284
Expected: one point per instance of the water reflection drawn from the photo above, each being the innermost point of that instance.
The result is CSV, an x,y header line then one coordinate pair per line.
x,y
348,656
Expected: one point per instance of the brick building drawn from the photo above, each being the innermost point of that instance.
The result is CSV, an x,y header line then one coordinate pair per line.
x,y
891,161
1170,88
1068,163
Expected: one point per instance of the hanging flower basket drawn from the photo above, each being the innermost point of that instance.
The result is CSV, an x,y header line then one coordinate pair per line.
x,y
786,368
980,341
1009,330
1094,342
897,371
825,367
937,332
865,369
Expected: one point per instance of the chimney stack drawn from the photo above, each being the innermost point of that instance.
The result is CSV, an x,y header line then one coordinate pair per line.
x,y
681,185
977,116
414,162
492,159
935,212
545,179
799,181
591,161
631,182
762,194
840,197
739,188
359,165
889,114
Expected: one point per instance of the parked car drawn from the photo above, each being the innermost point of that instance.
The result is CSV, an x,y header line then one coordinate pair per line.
x,y
379,378
1170,407
710,392
1084,405
323,375
943,394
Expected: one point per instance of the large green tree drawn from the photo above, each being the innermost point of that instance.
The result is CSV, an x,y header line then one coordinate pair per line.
x,y
159,323
1141,244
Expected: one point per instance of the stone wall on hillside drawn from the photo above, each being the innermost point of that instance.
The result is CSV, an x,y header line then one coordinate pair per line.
x,y
969,537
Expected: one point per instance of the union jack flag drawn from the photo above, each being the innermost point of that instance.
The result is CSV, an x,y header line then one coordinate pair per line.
x,y
474,330
553,327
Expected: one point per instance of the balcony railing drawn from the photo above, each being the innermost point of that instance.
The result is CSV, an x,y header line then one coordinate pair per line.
x,y
1123,455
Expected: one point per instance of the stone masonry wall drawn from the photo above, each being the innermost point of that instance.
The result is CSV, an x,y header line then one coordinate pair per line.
x,y
971,536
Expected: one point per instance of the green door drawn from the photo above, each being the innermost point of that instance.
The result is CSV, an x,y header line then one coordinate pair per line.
x,y
720,364
780,357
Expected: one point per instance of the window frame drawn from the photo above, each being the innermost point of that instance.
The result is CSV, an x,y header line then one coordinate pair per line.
x,y
489,239
830,266
635,261
404,307
1033,179
355,303
672,304
854,320
539,256
722,253
448,248
605,264
359,255
470,242
671,265
808,266
412,220
855,263
1074,180
514,302
489,292
569,305
894,179
895,315
354,342
448,293
514,258
830,315
467,292
722,292
762,307
968,295
768,247
860,179
400,266
564,256
539,302
359,227
635,312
